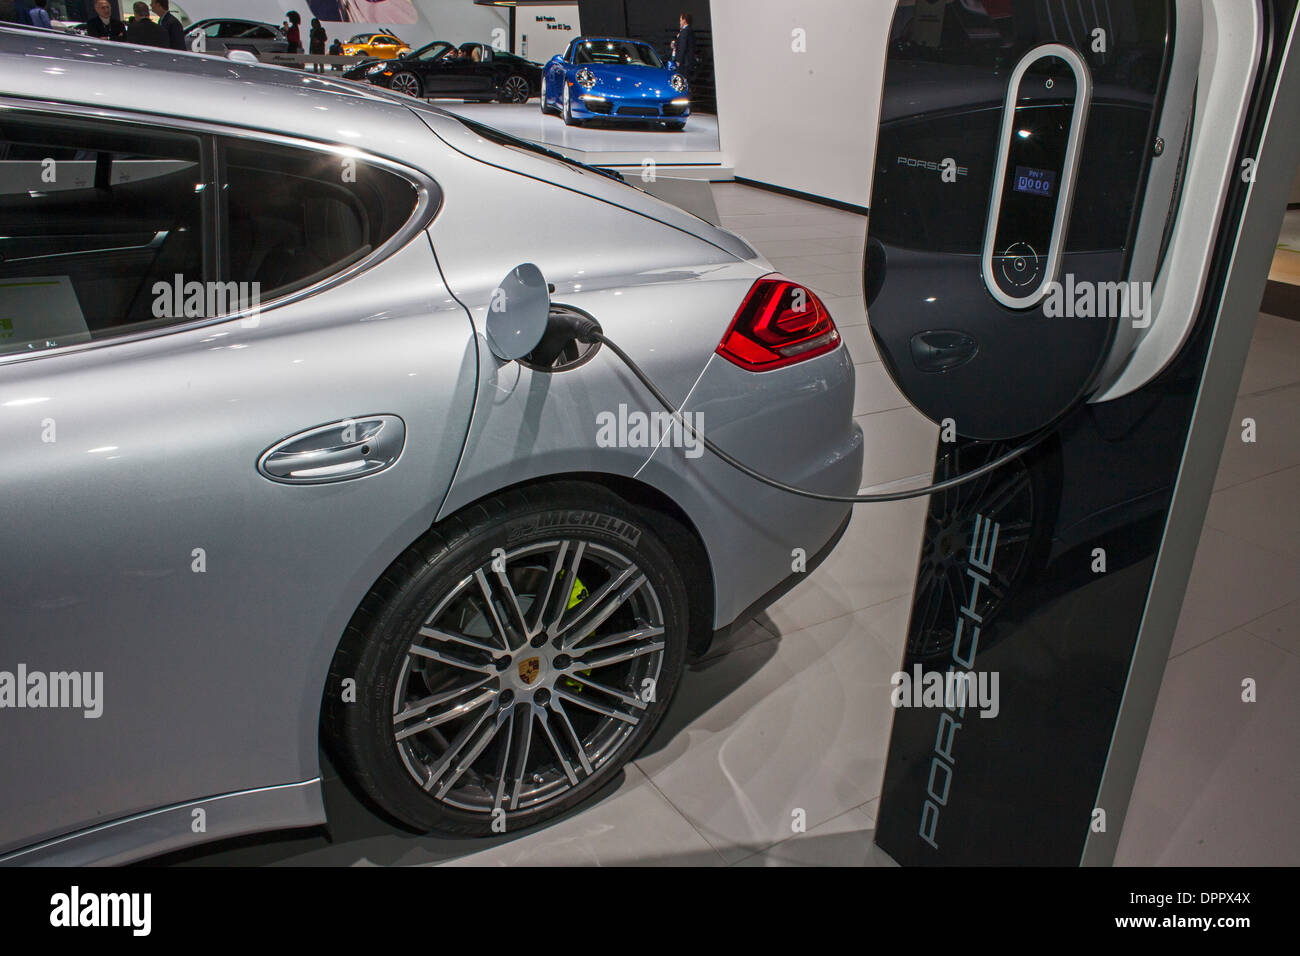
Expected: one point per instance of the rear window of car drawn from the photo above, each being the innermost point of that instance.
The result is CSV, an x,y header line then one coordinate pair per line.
x,y
110,229
297,216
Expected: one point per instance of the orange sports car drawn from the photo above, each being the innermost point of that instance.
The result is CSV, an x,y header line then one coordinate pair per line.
x,y
382,46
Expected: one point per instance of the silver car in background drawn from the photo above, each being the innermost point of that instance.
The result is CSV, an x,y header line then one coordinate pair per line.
x,y
266,488
221,36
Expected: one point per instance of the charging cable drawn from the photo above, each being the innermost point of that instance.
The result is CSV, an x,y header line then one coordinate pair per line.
x,y
588,330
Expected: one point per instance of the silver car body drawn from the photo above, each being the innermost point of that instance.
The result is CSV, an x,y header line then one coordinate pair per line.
x,y
212,679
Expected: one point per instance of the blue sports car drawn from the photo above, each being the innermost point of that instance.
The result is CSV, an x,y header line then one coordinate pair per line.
x,y
613,78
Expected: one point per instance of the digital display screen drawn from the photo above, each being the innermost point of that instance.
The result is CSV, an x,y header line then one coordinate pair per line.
x,y
1035,182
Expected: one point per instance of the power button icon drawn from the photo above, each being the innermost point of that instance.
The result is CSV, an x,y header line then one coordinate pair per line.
x,y
1020,265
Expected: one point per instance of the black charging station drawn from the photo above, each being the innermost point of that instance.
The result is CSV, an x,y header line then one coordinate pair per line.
x,y
1011,171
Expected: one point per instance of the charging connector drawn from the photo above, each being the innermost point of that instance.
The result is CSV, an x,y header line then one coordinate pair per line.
x,y
563,327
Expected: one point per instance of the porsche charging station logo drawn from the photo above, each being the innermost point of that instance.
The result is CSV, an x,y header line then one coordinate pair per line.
x,y
983,547
529,669
948,167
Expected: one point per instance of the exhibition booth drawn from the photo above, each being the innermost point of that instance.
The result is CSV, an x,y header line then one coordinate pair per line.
x,y
600,431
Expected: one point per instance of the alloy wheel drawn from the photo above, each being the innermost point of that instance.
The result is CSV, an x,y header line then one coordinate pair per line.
x,y
407,83
516,89
529,676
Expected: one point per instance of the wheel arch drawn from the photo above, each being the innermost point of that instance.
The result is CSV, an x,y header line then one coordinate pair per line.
x,y
668,520
681,536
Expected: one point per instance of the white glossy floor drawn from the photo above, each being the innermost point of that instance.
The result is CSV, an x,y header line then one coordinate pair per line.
x,y
793,714
1220,779
525,120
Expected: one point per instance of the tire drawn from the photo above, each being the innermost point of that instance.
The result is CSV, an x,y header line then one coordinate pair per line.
x,y
541,96
568,110
515,88
470,693
408,83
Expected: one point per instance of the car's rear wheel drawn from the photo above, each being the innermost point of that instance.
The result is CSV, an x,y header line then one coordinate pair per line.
x,y
515,89
408,83
510,662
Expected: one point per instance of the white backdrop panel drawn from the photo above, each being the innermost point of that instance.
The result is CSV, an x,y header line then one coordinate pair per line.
x,y
801,120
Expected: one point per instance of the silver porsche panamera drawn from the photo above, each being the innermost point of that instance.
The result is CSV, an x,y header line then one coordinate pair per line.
x,y
266,488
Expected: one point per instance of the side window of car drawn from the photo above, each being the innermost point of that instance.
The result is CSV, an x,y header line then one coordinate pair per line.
x,y
295,216
97,222
260,33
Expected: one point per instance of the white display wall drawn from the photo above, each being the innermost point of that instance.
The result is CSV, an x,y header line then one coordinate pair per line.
x,y
799,91
543,31
415,21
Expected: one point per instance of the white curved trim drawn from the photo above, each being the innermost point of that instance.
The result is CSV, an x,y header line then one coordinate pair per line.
x,y
1233,37
1174,130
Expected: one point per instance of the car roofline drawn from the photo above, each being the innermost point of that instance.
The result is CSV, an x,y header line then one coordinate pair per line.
x,y
195,73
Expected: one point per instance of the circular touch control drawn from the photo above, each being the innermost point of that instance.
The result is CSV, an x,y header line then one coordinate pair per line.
x,y
1021,266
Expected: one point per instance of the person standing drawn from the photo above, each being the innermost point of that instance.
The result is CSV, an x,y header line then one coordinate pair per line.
x,y
318,39
171,26
40,17
294,33
684,46
142,31
104,24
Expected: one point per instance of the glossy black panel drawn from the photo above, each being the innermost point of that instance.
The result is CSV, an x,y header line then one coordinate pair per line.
x,y
1020,788
943,105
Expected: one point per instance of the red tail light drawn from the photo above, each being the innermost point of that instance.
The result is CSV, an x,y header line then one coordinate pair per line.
x,y
779,323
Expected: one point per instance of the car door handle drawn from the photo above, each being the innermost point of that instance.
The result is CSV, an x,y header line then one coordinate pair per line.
x,y
340,451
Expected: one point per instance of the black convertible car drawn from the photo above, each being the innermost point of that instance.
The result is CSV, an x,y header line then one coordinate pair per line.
x,y
471,71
